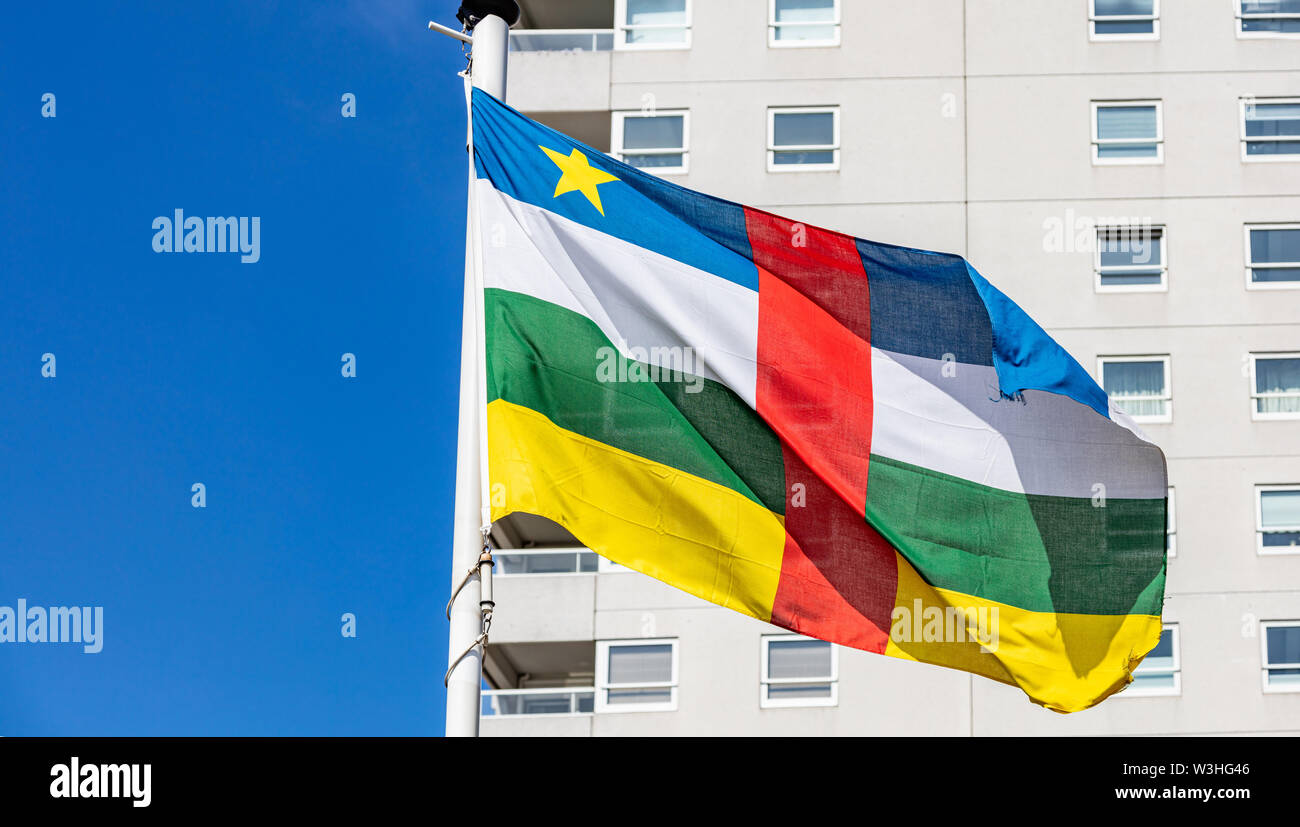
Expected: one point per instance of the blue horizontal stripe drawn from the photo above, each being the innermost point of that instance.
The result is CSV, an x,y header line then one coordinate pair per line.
x,y
703,232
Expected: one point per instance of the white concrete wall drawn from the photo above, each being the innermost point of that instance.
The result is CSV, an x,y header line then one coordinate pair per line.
x,y
965,125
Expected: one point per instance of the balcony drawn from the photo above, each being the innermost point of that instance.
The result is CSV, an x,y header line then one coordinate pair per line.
x,y
539,688
511,562
562,40
510,702
560,60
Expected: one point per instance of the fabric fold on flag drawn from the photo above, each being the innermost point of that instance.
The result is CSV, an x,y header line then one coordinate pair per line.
x,y
860,442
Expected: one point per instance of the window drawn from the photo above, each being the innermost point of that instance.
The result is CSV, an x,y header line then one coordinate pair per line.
x,y
803,23
1277,519
652,24
1130,259
1171,526
1138,385
798,671
1268,18
1272,256
1281,640
636,675
1275,385
1270,129
1159,672
803,139
655,142
1127,132
1125,19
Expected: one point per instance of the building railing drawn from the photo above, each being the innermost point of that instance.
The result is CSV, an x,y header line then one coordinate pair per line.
x,y
546,561
562,40
499,703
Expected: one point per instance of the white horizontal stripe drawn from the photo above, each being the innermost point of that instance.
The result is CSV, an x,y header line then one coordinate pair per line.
x,y
956,424
950,418
638,298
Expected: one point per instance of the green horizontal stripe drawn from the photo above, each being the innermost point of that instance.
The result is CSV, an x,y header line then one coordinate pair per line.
x,y
1036,552
550,359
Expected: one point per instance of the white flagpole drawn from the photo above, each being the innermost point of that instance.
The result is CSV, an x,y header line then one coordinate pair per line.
x,y
488,72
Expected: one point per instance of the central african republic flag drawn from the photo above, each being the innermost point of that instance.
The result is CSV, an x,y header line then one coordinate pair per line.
x,y
863,443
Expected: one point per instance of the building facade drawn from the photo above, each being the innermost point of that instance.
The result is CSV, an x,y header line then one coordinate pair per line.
x,y
1127,170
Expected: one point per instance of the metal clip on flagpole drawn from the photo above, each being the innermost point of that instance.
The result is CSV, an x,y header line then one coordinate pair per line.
x,y
487,31
483,570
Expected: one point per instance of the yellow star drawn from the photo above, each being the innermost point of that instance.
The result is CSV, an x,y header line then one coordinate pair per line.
x,y
578,176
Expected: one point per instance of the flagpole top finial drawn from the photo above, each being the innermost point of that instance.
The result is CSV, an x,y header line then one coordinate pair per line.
x,y
472,11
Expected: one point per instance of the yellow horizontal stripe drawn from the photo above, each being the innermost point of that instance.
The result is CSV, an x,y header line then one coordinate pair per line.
x,y
1065,662
694,534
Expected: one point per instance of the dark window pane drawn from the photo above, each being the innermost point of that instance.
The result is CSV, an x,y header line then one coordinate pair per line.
x,y
1126,122
641,664
1128,151
662,132
1273,147
1274,246
1130,248
1119,277
1270,7
803,691
1265,120
1277,375
1134,378
1284,644
653,161
1282,26
1125,26
787,158
1164,649
803,129
1279,509
1106,8
798,659
639,696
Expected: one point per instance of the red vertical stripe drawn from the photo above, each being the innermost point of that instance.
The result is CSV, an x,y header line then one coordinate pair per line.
x,y
814,351
838,577
822,266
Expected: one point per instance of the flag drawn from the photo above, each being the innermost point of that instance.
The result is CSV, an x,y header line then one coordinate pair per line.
x,y
859,442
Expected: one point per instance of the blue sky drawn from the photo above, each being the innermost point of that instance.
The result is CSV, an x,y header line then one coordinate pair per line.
x,y
324,494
